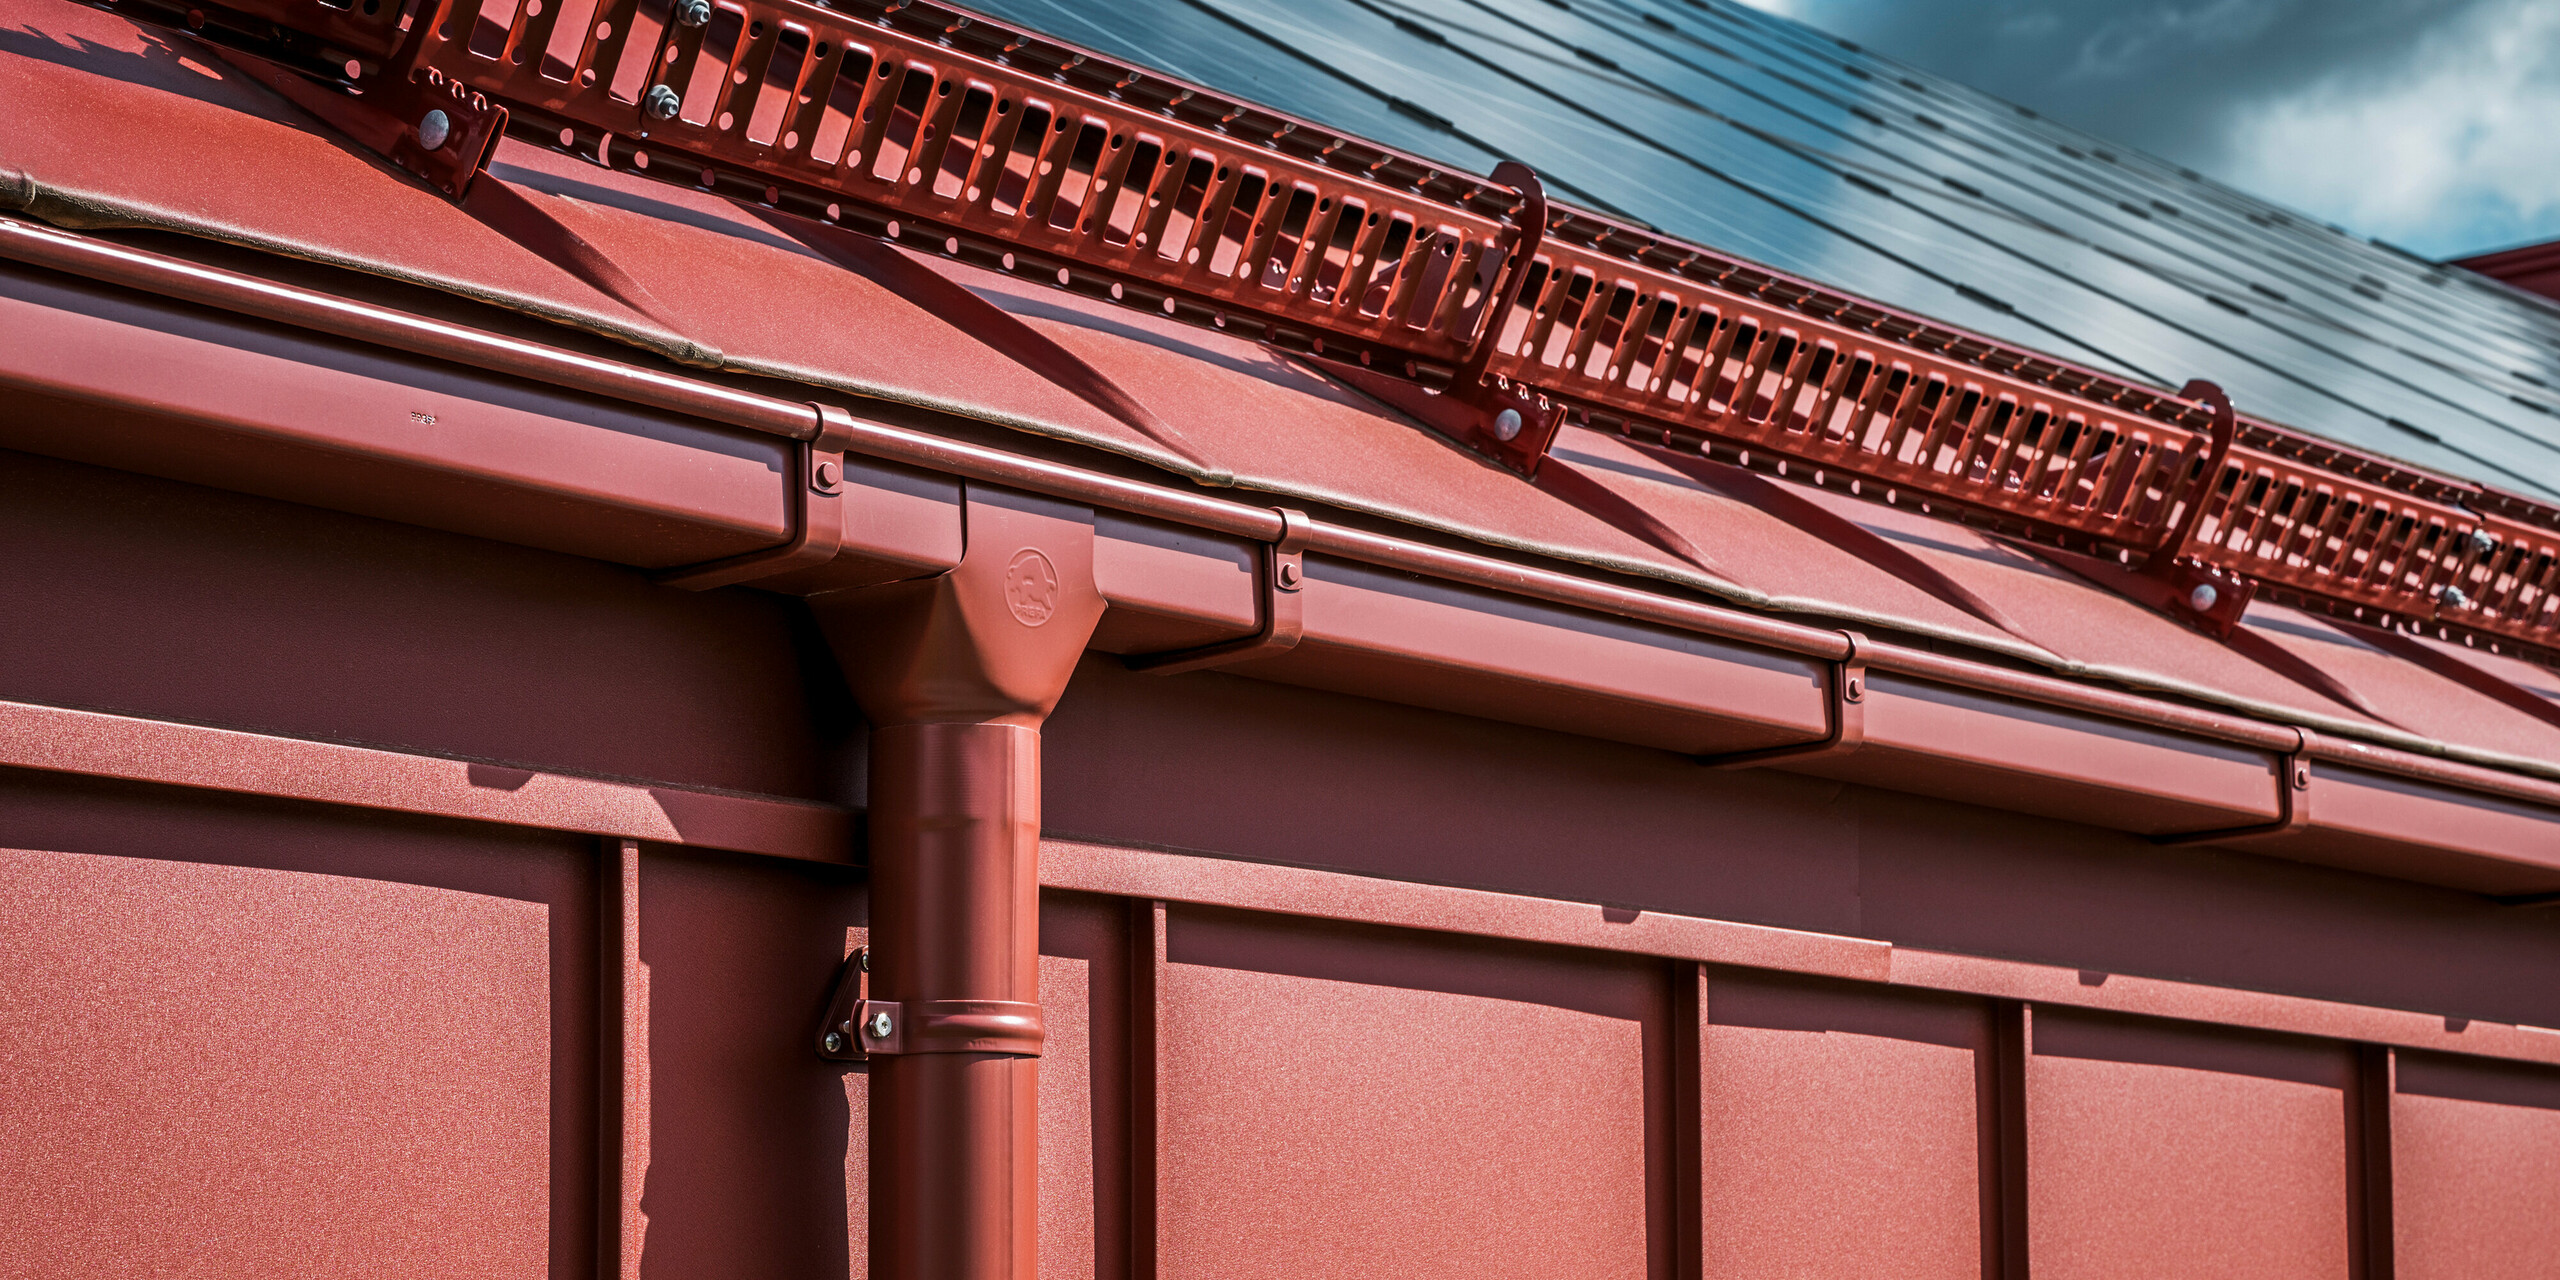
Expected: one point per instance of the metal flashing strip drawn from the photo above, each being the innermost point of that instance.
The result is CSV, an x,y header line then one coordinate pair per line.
x,y
1207,880
97,744
2414,758
942,128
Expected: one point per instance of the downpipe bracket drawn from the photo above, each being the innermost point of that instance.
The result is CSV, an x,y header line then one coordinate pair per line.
x,y
857,1028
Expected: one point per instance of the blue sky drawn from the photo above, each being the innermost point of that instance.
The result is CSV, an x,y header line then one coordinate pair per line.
x,y
2433,124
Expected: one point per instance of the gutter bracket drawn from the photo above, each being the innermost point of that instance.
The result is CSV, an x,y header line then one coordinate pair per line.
x,y
857,1028
1283,576
2293,801
1848,717
817,516
1501,419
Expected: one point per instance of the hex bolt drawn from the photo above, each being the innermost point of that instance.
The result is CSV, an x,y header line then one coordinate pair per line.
x,y
2202,599
835,1042
1506,425
693,13
880,1025
433,129
661,102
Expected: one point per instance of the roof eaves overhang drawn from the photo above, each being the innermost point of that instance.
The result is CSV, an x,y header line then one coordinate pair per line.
x,y
2367,766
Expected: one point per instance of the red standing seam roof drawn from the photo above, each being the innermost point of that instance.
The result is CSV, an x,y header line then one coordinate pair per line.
x,y
127,120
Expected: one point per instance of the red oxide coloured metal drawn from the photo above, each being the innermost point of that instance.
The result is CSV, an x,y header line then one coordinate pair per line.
x,y
945,129
956,673
817,503
1847,686
1283,582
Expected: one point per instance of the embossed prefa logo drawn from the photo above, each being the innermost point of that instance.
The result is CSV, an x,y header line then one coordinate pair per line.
x,y
1031,587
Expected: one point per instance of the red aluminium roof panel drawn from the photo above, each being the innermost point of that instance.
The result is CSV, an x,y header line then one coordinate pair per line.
x,y
140,129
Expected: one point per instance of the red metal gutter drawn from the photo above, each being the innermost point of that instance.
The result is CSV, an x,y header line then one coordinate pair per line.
x,y
171,277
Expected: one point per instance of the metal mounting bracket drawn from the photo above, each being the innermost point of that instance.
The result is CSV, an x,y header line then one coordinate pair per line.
x,y
1496,417
857,1028
437,129
1283,581
1848,717
2175,580
2293,802
817,516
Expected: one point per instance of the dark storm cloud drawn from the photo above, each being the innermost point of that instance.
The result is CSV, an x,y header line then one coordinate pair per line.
x,y
2426,121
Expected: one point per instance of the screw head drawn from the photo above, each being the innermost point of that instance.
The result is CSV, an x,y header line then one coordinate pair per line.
x,y
1506,425
2203,598
693,13
433,129
660,102
834,1042
880,1025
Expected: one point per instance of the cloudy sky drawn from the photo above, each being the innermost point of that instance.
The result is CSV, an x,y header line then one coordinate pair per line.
x,y
2434,124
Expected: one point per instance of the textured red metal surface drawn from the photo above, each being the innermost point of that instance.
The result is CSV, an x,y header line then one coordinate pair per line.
x,y
1427,995
258,1071
1510,576
1334,1101
1841,1132
970,130
2158,1151
2475,1170
956,673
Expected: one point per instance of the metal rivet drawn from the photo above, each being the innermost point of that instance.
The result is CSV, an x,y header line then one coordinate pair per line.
x,y
661,102
433,128
1288,577
2203,598
835,1042
828,476
862,957
1857,690
693,13
1506,425
880,1025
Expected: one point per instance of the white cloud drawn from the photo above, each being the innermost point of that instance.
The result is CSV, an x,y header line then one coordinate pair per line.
x,y
2455,148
